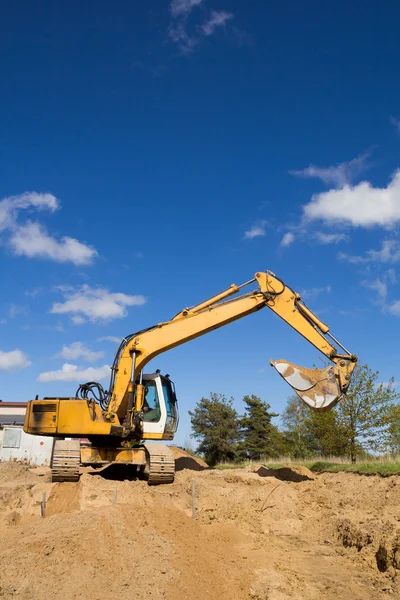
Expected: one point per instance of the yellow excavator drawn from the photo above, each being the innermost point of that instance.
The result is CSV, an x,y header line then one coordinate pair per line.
x,y
139,407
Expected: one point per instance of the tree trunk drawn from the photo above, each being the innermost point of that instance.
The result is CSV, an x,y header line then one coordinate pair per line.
x,y
353,449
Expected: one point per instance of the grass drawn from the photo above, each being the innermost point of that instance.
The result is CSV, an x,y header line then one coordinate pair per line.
x,y
380,465
226,466
364,468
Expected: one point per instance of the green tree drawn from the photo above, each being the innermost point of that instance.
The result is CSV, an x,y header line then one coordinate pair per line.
x,y
325,433
260,436
393,441
215,424
309,432
294,419
366,411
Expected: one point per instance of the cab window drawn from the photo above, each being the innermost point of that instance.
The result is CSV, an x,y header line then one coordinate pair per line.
x,y
170,400
151,405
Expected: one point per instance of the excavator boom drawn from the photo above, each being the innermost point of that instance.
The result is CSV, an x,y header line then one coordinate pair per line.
x,y
138,349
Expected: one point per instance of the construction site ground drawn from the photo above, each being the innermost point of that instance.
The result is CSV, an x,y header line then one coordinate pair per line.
x,y
258,533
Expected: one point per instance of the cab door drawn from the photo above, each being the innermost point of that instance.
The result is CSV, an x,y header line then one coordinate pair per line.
x,y
154,408
160,411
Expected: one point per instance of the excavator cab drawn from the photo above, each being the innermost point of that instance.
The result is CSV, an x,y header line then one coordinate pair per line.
x,y
160,408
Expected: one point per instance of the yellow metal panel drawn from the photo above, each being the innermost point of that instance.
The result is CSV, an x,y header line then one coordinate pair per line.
x,y
75,417
41,417
132,456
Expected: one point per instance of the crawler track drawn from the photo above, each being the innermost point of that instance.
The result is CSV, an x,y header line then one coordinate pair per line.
x,y
161,464
66,461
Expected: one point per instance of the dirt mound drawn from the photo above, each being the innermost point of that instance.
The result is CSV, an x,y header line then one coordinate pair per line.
x,y
289,473
388,555
381,537
122,552
353,536
64,498
12,471
335,537
184,460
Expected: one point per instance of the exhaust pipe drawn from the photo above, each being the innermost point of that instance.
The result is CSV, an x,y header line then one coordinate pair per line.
x,y
318,388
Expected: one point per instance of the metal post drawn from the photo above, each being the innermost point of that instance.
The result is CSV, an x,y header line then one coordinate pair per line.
x,y
133,366
193,499
43,505
131,390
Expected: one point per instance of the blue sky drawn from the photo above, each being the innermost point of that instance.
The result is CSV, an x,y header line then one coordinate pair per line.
x,y
152,153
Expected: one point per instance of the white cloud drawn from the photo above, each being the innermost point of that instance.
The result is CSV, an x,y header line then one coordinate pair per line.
x,y
178,31
94,304
35,292
33,241
70,372
109,338
183,7
217,19
361,205
178,34
78,350
257,230
394,308
16,310
78,320
380,287
13,360
12,205
330,238
338,175
31,238
287,239
355,260
391,276
396,123
389,253
316,291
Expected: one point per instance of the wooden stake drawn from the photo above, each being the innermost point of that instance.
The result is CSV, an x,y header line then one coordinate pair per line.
x,y
115,496
43,505
193,499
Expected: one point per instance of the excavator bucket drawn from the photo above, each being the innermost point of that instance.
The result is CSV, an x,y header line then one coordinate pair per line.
x,y
318,388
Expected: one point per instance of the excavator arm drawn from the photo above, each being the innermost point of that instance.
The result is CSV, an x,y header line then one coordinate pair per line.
x,y
319,388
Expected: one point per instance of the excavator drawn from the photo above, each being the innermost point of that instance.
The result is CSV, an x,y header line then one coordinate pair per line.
x,y
139,408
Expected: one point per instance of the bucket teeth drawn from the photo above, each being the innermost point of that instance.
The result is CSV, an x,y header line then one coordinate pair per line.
x,y
318,388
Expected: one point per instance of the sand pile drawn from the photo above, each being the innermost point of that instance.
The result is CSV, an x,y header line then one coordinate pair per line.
x,y
183,460
259,536
12,471
287,473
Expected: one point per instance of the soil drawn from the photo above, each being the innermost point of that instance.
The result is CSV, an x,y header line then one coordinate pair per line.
x,y
264,534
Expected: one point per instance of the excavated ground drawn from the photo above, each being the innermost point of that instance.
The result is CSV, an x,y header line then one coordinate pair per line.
x,y
261,534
